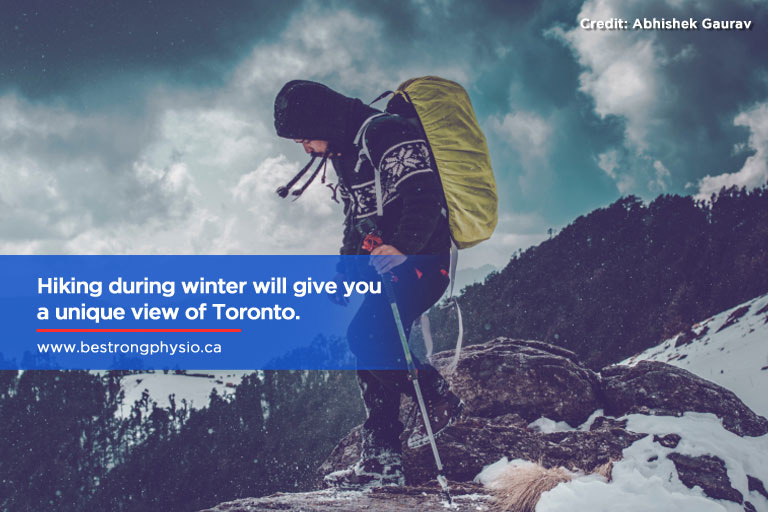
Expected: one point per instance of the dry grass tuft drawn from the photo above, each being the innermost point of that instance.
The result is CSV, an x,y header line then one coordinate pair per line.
x,y
519,488
605,470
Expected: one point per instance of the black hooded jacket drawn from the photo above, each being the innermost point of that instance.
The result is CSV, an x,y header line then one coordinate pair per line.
x,y
413,203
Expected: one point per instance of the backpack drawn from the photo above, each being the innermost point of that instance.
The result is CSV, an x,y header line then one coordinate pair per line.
x,y
444,113
459,151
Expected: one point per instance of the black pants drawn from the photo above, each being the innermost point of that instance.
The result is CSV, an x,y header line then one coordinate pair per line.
x,y
374,339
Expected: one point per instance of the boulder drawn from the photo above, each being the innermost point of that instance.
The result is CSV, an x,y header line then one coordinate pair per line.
x,y
529,378
707,472
658,389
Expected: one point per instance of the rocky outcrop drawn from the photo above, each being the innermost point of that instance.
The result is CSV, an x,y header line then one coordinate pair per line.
x,y
659,389
476,442
527,378
509,384
506,384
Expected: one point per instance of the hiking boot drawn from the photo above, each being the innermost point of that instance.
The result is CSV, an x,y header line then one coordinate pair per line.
x,y
443,412
381,469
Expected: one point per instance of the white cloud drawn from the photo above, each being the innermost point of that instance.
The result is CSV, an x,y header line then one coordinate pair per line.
x,y
635,76
310,224
621,69
195,171
338,47
659,184
526,131
626,73
22,119
609,163
196,175
754,173
529,134
53,187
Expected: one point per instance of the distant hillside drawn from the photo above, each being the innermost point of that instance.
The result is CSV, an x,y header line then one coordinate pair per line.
x,y
624,277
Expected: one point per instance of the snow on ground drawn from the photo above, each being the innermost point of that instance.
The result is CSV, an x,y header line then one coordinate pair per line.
x,y
730,349
646,480
194,387
548,426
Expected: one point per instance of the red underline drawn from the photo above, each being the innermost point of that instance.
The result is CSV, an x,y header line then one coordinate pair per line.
x,y
139,330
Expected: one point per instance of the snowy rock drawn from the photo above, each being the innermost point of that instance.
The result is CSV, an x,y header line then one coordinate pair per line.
x,y
734,357
755,484
346,453
667,441
601,422
707,472
660,389
508,383
477,442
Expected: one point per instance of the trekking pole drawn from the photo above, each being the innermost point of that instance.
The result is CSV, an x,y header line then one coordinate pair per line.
x,y
414,376
371,241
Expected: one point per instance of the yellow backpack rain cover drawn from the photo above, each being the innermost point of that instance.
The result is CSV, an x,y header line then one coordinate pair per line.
x,y
461,155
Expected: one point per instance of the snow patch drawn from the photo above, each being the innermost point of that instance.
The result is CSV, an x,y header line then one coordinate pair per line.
x,y
491,472
645,479
548,426
193,389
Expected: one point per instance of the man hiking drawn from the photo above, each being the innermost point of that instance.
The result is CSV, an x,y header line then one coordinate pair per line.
x,y
404,206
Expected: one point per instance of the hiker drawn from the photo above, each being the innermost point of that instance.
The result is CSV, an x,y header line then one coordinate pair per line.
x,y
409,216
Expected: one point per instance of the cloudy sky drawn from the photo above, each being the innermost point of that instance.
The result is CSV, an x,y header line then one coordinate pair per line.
x,y
145,127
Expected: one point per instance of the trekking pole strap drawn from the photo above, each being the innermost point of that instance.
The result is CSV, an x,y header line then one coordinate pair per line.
x,y
363,154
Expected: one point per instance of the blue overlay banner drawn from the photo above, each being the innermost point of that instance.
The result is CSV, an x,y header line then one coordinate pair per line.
x,y
178,312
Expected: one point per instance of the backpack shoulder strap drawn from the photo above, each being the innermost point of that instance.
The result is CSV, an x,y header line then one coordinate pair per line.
x,y
364,154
